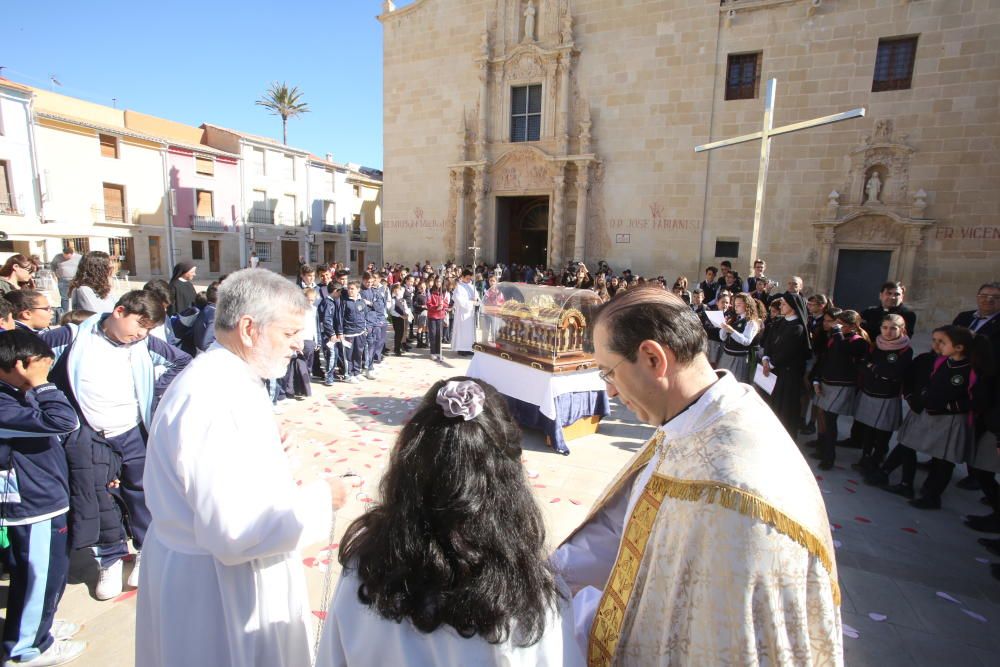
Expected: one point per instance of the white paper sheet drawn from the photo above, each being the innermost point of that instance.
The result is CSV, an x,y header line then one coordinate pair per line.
x,y
716,317
765,383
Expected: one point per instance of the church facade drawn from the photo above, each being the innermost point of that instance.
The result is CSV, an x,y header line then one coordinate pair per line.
x,y
542,131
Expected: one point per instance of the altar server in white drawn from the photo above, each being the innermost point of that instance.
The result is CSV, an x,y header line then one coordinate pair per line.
x,y
450,567
465,300
222,582
712,545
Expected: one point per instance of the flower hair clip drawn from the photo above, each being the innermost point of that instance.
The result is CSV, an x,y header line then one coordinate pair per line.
x,y
463,399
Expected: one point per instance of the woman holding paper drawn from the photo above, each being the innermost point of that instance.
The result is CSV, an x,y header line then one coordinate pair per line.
x,y
738,337
785,355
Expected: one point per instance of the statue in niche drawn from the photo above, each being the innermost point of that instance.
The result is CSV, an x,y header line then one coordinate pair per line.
x,y
529,22
567,28
873,188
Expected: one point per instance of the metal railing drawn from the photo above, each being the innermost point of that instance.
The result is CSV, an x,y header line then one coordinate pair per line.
x,y
118,214
9,204
260,217
359,235
335,228
201,223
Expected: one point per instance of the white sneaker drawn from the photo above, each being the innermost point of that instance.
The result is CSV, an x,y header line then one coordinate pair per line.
x,y
62,630
354,379
133,577
58,654
109,582
370,375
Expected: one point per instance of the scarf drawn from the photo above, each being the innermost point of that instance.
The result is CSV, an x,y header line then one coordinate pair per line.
x,y
900,343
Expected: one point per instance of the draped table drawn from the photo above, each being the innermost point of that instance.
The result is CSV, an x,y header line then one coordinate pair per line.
x,y
541,400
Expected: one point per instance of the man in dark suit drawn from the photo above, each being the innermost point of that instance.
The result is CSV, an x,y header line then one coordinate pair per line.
x,y
890,303
983,321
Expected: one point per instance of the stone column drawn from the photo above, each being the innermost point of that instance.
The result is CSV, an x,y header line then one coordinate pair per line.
x,y
458,196
556,259
582,186
480,188
484,101
826,237
913,238
564,96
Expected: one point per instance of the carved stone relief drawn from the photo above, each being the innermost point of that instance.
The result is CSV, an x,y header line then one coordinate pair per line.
x,y
521,170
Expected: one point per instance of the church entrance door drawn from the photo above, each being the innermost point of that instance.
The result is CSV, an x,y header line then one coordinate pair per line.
x,y
860,274
522,230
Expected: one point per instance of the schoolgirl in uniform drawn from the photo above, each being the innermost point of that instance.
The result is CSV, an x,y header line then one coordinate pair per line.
x,y
739,337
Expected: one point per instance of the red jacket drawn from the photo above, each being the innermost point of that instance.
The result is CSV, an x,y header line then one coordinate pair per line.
x,y
437,309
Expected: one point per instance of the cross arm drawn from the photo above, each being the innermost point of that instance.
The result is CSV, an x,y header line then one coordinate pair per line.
x,y
785,129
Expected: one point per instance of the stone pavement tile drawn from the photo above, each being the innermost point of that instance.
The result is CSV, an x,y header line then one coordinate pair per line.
x,y
947,621
877,645
926,650
875,593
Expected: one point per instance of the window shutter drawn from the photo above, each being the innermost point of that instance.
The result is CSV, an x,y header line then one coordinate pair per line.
x,y
204,166
109,146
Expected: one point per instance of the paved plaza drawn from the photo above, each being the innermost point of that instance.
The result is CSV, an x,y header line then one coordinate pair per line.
x,y
916,587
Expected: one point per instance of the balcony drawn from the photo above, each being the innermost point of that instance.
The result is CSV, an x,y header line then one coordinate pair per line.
x,y
200,223
260,217
113,214
335,228
9,204
359,235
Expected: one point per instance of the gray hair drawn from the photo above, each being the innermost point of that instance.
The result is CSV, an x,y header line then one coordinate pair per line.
x,y
260,294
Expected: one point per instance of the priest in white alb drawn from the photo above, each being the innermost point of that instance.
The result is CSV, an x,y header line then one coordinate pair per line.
x,y
712,545
465,299
221,583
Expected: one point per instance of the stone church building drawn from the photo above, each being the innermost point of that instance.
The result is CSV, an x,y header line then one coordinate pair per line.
x,y
543,131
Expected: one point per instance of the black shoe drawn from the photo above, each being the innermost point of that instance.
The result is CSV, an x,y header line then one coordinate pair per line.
x,y
465,354
995,570
826,465
848,444
876,477
926,503
864,464
992,545
815,455
969,484
813,443
807,429
989,523
904,490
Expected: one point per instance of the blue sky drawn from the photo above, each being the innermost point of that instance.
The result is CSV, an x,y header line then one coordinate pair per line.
x,y
196,62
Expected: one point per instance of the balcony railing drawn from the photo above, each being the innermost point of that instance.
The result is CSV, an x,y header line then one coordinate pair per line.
x,y
200,223
260,217
9,204
359,235
112,213
335,228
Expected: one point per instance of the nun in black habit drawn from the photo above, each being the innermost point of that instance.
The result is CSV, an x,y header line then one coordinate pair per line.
x,y
182,292
785,353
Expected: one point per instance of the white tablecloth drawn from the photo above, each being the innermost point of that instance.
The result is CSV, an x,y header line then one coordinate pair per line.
x,y
530,384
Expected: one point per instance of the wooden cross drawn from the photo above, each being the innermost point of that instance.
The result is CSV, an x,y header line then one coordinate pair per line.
x,y
767,132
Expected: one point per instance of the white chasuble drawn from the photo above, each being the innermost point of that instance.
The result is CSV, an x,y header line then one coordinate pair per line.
x,y
723,556
464,335
221,582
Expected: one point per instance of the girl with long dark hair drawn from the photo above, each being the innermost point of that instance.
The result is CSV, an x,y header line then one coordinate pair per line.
x,y
90,289
16,270
450,566
837,385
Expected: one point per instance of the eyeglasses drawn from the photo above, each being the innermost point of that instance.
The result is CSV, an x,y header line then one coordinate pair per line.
x,y
606,375
988,297
48,308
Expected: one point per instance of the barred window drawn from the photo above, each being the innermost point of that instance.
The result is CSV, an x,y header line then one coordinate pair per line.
x,y
526,113
894,63
743,75
263,250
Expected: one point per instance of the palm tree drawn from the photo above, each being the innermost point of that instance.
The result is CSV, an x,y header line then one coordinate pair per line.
x,y
285,102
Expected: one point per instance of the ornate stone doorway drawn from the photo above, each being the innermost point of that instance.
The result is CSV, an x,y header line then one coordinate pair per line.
x,y
522,225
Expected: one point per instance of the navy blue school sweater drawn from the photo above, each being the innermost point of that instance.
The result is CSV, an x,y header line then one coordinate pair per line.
x,y
884,372
843,358
34,474
353,316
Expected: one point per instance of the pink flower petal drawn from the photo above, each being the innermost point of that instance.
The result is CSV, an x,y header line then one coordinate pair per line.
x,y
861,519
909,530
321,615
554,500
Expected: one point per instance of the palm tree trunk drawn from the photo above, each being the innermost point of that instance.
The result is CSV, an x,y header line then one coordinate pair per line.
x,y
284,130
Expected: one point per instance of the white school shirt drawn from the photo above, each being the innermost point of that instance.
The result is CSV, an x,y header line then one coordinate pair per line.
x,y
106,390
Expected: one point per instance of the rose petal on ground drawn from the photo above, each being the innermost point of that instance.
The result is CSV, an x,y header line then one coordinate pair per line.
x,y
532,474
554,500
309,562
321,615
945,596
574,501
877,617
861,519
837,544
836,526
850,489
132,593
978,617
538,486
850,632
909,530
819,478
